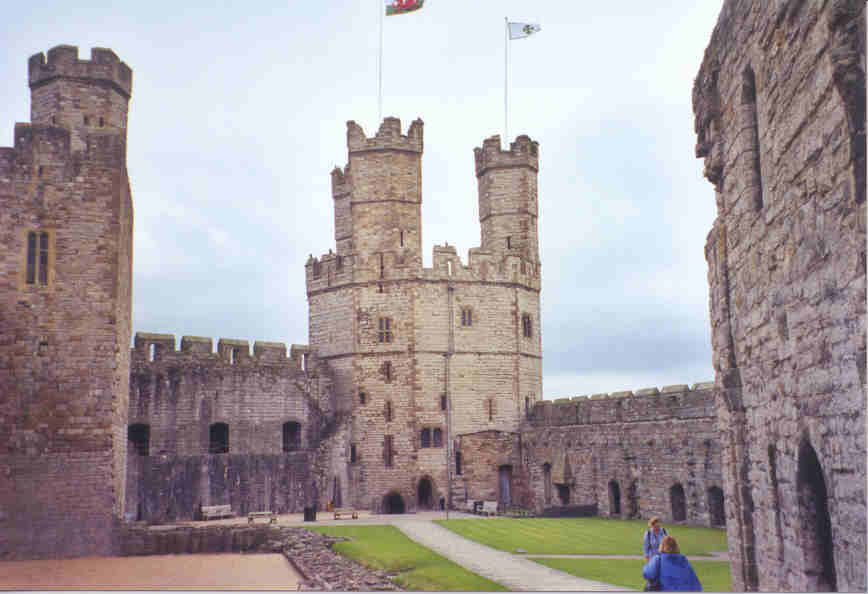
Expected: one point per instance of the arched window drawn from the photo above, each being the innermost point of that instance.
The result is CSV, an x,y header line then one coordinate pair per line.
x,y
291,436
218,434
716,513
425,438
437,437
139,435
614,498
679,502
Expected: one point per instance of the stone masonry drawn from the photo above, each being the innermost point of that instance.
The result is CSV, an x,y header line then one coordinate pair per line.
x,y
65,292
780,119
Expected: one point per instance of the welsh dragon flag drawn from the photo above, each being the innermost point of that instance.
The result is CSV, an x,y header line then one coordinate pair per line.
x,y
402,6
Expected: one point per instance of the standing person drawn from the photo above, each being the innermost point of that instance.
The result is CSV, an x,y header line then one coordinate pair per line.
x,y
671,569
653,537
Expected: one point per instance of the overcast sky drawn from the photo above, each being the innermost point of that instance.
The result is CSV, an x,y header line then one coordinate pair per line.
x,y
239,112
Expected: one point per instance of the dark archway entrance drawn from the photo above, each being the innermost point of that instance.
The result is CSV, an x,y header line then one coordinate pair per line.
x,y
425,494
679,502
614,498
633,511
563,493
815,525
716,512
393,503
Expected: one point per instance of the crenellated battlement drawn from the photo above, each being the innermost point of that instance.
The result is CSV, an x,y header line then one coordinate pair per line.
x,y
62,62
388,137
341,182
523,152
679,402
149,347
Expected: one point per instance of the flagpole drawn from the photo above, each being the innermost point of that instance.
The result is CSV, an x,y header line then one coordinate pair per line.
x,y
380,67
505,83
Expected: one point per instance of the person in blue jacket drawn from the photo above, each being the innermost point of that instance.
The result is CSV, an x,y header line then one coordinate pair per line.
x,y
672,569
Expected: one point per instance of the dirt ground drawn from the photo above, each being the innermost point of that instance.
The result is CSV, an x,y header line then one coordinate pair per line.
x,y
226,571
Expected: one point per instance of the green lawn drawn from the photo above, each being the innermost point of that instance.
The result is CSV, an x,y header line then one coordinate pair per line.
x,y
580,536
417,568
713,575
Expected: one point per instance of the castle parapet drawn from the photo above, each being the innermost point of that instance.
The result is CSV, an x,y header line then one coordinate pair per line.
x,y
676,402
63,62
196,344
149,347
388,137
524,152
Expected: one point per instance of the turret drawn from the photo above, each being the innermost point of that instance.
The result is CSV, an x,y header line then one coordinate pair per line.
x,y
508,209
383,183
82,96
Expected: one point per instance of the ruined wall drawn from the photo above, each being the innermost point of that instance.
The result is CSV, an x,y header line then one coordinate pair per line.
x,y
625,452
66,259
456,359
780,119
180,395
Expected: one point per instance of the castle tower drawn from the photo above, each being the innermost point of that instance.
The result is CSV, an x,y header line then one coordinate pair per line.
x,y
65,305
508,210
421,355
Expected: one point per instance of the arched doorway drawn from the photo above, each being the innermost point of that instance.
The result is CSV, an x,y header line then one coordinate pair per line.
x,y
504,474
425,494
393,503
679,502
614,498
716,513
815,524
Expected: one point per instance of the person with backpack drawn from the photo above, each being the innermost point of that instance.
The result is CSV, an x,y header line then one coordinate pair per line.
x,y
670,571
653,537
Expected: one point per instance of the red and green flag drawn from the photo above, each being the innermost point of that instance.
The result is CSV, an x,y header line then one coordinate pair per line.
x,y
394,7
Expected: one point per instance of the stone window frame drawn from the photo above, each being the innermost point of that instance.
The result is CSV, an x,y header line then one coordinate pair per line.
x,y
387,411
384,330
216,445
291,433
362,397
38,258
467,316
388,450
526,325
436,437
388,371
139,436
425,437
354,454
490,406
459,470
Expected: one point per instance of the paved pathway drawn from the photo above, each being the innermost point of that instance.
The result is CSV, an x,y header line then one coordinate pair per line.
x,y
516,573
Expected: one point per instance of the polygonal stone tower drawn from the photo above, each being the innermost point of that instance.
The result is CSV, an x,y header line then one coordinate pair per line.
x,y
423,355
65,285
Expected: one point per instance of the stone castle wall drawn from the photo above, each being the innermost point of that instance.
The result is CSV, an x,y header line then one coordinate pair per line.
x,y
780,118
179,395
65,257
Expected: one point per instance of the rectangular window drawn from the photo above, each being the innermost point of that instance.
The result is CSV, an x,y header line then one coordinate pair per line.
x,y
388,453
353,455
388,412
437,436
361,397
442,401
526,325
490,409
31,258
384,334
37,258
43,258
466,317
425,438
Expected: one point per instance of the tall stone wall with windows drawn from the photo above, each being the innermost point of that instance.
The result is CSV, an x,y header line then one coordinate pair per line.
x,y
213,428
779,102
65,284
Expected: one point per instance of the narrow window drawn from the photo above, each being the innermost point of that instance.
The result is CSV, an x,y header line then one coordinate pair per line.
x,y
490,409
291,436
101,122
437,437
526,326
379,287
39,171
425,438
466,316
457,462
43,258
139,436
402,239
387,371
233,356
388,412
218,434
526,406
152,350
317,269
449,267
353,455
442,401
339,263
382,266
385,330
31,258
388,453
508,242
752,137
86,121
361,397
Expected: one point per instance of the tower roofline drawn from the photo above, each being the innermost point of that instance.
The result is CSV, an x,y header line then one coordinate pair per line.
x,y
104,67
388,137
523,152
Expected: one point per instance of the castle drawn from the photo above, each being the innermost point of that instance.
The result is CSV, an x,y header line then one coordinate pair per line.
x,y
420,388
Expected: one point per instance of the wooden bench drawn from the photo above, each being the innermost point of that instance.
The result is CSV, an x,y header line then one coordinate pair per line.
x,y
213,512
272,517
489,508
345,511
